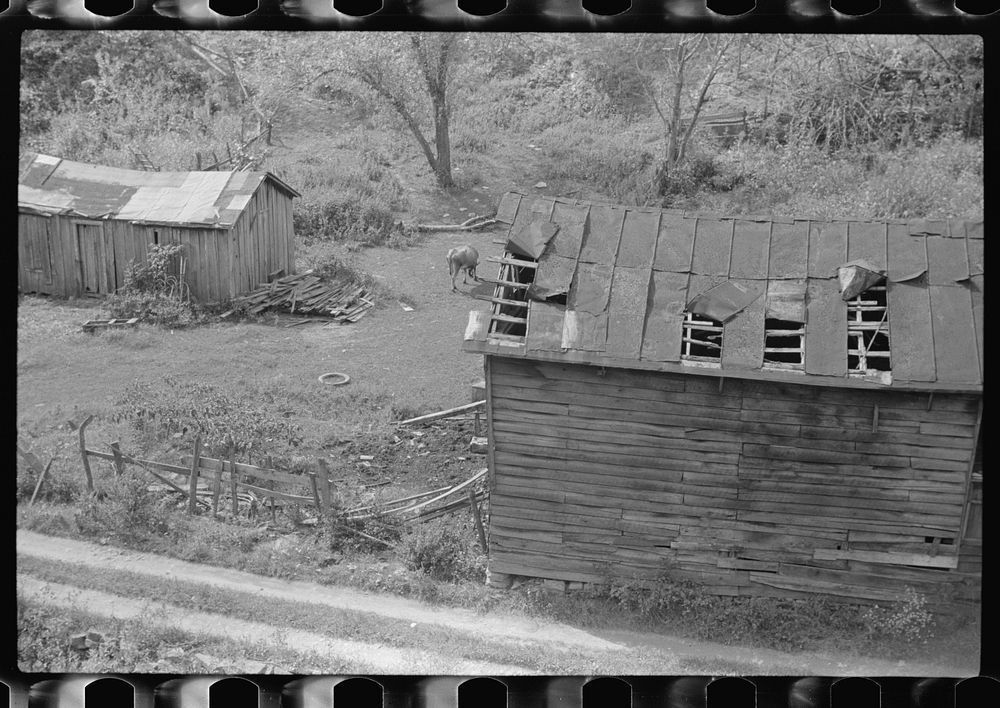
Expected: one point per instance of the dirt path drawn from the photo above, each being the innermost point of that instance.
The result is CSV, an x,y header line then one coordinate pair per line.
x,y
507,628
161,615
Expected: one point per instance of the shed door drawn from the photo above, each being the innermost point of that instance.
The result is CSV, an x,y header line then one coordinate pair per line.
x,y
88,238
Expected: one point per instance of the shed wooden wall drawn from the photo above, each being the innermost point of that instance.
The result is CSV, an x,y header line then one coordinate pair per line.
x,y
760,489
220,263
263,239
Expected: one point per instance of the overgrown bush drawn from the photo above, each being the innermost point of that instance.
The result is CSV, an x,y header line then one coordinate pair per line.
x,y
783,623
180,409
592,151
361,535
445,549
908,620
126,508
152,292
354,204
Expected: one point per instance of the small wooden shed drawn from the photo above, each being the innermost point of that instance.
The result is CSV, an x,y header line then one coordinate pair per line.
x,y
80,225
763,406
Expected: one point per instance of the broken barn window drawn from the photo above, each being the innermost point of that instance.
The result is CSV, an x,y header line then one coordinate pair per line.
x,y
509,315
702,340
784,344
868,331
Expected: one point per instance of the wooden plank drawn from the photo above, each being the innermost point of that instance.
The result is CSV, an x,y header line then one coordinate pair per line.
x,y
675,243
751,249
976,291
664,322
867,241
789,250
826,345
193,481
955,353
605,403
777,452
948,260
911,331
907,255
208,464
743,336
545,326
627,310
603,232
712,246
592,288
827,248
638,240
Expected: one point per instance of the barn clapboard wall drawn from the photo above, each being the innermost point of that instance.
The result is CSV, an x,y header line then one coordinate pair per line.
x,y
748,487
236,228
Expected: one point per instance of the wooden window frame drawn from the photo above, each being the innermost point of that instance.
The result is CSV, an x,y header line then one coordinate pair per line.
x,y
784,332
858,327
703,324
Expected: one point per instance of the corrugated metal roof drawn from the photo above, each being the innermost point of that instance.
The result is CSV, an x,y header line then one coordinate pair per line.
x,y
51,185
632,272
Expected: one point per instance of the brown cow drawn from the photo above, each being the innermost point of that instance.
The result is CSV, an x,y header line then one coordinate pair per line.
x,y
464,260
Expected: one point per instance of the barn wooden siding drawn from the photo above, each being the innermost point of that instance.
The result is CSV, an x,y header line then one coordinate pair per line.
x,y
219,263
263,239
760,488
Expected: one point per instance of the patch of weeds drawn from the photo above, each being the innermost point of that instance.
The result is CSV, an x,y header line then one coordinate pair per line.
x,y
368,194
126,509
182,409
153,291
201,540
445,549
361,536
908,620
342,270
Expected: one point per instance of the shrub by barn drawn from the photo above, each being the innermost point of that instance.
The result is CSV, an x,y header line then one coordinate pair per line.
x,y
80,225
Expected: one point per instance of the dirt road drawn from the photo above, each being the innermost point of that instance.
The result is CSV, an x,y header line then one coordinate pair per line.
x,y
651,653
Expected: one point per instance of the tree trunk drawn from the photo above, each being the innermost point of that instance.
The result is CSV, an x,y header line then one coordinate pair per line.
x,y
442,166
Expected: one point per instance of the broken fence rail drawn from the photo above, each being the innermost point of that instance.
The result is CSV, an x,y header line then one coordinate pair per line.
x,y
396,507
217,476
441,414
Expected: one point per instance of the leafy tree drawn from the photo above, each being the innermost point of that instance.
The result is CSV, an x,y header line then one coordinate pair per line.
x,y
414,76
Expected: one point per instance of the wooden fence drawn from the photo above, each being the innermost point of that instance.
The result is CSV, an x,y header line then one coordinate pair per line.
x,y
245,483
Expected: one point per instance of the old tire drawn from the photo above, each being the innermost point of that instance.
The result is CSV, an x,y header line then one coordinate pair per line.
x,y
334,378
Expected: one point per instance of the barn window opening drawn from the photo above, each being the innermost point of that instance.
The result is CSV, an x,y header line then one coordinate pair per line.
x,y
509,315
784,344
702,339
868,331
156,237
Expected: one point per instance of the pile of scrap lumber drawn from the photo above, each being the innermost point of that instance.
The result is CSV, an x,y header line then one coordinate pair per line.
x,y
426,505
307,294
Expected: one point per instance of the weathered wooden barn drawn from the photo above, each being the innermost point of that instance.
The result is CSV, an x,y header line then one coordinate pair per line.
x,y
80,225
760,405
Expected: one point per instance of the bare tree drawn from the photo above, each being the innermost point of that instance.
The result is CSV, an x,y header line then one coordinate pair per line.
x,y
413,76
676,75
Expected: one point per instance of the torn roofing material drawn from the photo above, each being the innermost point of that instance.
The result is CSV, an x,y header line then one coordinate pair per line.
x,y
629,273
52,185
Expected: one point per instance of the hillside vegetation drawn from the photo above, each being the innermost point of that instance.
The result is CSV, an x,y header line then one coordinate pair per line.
x,y
376,128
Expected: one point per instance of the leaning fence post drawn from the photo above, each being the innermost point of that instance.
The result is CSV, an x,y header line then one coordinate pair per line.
x,y
327,490
479,520
41,478
232,480
193,482
83,454
315,488
119,462
217,492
